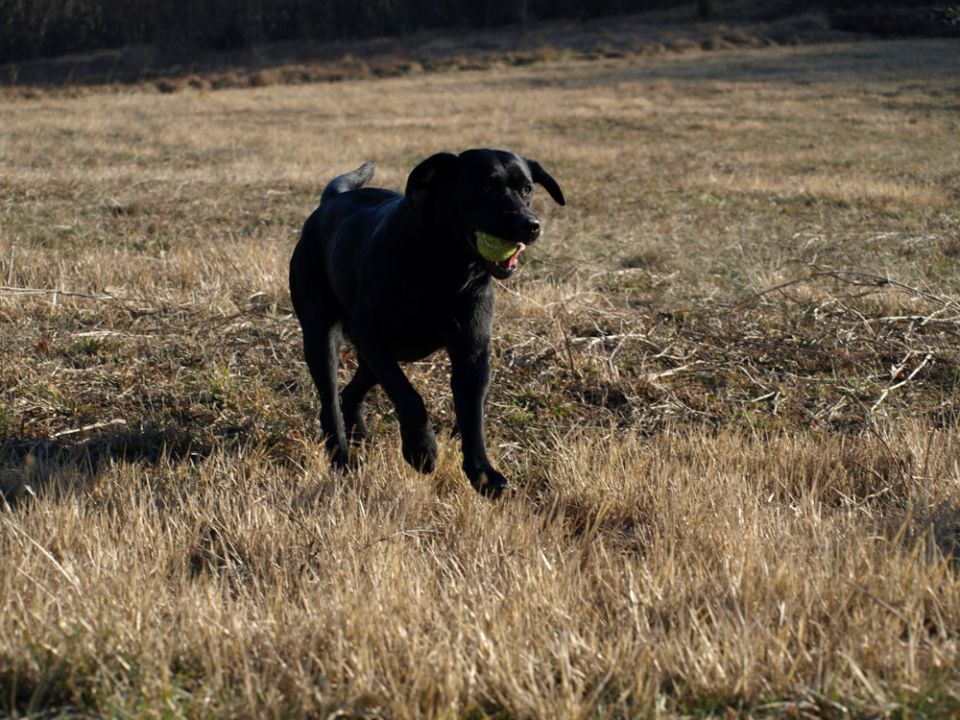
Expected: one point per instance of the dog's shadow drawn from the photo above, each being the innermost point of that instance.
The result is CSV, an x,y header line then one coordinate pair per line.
x,y
33,466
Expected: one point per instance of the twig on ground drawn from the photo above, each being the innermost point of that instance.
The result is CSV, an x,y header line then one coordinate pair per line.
x,y
88,428
56,293
927,358
856,278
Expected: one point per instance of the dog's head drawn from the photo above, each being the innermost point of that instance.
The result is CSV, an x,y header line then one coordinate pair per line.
x,y
482,192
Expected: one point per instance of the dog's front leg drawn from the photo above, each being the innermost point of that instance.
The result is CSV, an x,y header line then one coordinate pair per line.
x,y
416,432
470,380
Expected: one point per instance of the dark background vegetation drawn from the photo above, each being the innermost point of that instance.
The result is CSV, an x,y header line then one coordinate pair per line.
x,y
31,29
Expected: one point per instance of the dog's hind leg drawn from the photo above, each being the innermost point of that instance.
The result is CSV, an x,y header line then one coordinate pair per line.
x,y
321,349
323,355
351,402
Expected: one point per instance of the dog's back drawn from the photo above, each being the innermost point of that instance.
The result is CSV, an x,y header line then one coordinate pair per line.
x,y
326,267
342,202
308,281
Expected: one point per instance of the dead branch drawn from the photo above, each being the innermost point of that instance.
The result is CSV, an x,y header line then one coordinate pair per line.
x,y
910,377
856,278
57,293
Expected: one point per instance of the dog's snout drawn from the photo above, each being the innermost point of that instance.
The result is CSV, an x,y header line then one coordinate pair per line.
x,y
531,228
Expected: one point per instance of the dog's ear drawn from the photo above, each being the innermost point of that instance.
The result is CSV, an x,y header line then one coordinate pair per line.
x,y
542,177
424,174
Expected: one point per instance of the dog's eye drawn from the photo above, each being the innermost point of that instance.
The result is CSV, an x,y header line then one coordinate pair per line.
x,y
526,191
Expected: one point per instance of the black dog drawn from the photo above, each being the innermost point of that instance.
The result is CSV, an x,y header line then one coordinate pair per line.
x,y
402,277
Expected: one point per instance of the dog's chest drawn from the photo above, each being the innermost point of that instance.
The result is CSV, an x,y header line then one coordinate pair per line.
x,y
418,331
423,322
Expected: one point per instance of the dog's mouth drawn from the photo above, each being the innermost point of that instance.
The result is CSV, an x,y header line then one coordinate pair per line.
x,y
499,257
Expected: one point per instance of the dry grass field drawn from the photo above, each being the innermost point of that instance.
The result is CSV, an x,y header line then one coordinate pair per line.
x,y
727,386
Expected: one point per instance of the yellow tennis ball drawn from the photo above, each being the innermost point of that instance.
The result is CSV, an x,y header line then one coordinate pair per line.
x,y
493,248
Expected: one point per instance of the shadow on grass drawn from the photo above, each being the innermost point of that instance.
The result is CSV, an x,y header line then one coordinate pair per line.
x,y
33,466
45,696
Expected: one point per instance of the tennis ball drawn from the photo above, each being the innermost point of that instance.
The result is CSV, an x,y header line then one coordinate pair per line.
x,y
493,248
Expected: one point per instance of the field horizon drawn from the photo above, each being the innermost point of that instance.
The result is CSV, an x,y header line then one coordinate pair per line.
x,y
725,389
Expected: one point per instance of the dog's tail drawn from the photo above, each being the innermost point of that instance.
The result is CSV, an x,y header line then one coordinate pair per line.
x,y
349,181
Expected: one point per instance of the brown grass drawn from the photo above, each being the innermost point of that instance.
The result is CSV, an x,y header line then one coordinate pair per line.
x,y
725,387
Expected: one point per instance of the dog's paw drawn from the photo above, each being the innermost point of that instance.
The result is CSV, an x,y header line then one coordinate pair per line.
x,y
420,449
488,482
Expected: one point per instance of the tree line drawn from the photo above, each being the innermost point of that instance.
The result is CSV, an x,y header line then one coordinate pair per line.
x,y
32,29
46,28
